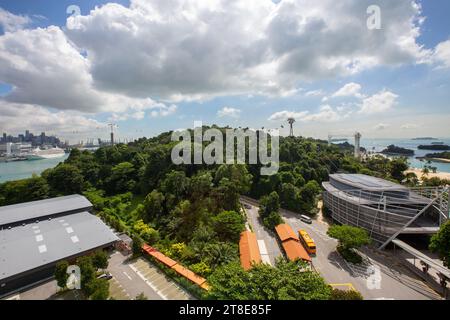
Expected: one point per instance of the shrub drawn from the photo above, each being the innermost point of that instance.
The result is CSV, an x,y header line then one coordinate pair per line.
x,y
337,294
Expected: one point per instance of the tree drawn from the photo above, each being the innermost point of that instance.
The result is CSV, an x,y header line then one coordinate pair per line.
x,y
272,220
349,238
268,211
146,232
175,183
307,195
88,271
61,274
65,179
440,243
100,259
153,205
34,188
269,204
411,179
201,185
228,225
264,282
397,167
237,174
99,289
122,178
137,245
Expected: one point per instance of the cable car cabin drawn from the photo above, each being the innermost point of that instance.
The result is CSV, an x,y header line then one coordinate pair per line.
x,y
307,242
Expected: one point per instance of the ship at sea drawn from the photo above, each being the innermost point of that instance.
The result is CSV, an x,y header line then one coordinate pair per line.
x,y
52,153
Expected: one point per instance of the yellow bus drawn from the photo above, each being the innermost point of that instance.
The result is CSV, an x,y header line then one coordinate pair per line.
x,y
307,242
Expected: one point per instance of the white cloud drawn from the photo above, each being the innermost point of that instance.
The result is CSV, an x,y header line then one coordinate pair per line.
x,y
171,49
381,126
45,69
11,22
351,89
164,111
229,112
38,119
284,115
314,93
379,102
409,126
325,114
441,54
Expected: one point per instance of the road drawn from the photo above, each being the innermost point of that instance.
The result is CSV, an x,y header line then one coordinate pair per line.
x,y
262,234
380,277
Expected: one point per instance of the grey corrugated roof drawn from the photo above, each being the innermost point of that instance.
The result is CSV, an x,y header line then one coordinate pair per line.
x,y
365,182
43,208
24,248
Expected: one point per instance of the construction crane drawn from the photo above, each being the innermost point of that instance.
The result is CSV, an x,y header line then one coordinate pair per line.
x,y
291,122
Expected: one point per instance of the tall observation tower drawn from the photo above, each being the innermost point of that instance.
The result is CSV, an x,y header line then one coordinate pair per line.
x,y
291,123
112,126
357,145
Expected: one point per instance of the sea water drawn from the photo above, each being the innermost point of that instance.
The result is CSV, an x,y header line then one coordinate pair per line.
x,y
25,169
379,145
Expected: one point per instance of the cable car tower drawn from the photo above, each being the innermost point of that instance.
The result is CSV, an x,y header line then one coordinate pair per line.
x,y
291,122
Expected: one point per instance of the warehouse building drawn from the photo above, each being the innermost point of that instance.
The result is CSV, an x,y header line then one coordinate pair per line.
x,y
34,236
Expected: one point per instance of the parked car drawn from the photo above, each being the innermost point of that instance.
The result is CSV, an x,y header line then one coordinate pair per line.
x,y
306,219
106,276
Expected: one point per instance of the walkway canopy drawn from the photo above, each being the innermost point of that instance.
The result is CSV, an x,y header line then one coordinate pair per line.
x,y
249,250
285,232
295,251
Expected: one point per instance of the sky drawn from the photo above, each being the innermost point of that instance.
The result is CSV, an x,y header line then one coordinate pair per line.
x,y
71,67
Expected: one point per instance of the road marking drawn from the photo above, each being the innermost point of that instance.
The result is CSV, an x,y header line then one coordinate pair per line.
x,y
39,238
127,275
148,282
42,248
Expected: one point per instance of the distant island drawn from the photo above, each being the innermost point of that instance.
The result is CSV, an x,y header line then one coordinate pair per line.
x,y
394,150
439,157
437,147
424,138
349,147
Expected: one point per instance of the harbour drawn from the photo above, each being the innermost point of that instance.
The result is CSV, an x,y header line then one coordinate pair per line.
x,y
16,170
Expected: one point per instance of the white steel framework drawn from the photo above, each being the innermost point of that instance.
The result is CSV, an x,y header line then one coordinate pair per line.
x,y
386,214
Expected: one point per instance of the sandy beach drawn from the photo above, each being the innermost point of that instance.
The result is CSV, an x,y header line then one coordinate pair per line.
x,y
440,175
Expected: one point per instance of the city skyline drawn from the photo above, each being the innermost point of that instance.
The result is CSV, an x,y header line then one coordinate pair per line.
x,y
273,60
27,136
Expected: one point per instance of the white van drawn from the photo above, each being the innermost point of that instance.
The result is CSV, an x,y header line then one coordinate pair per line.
x,y
306,219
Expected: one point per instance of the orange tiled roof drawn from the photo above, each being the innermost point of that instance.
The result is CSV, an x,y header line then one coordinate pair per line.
x,y
285,232
248,250
294,251
159,256
185,272
188,274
